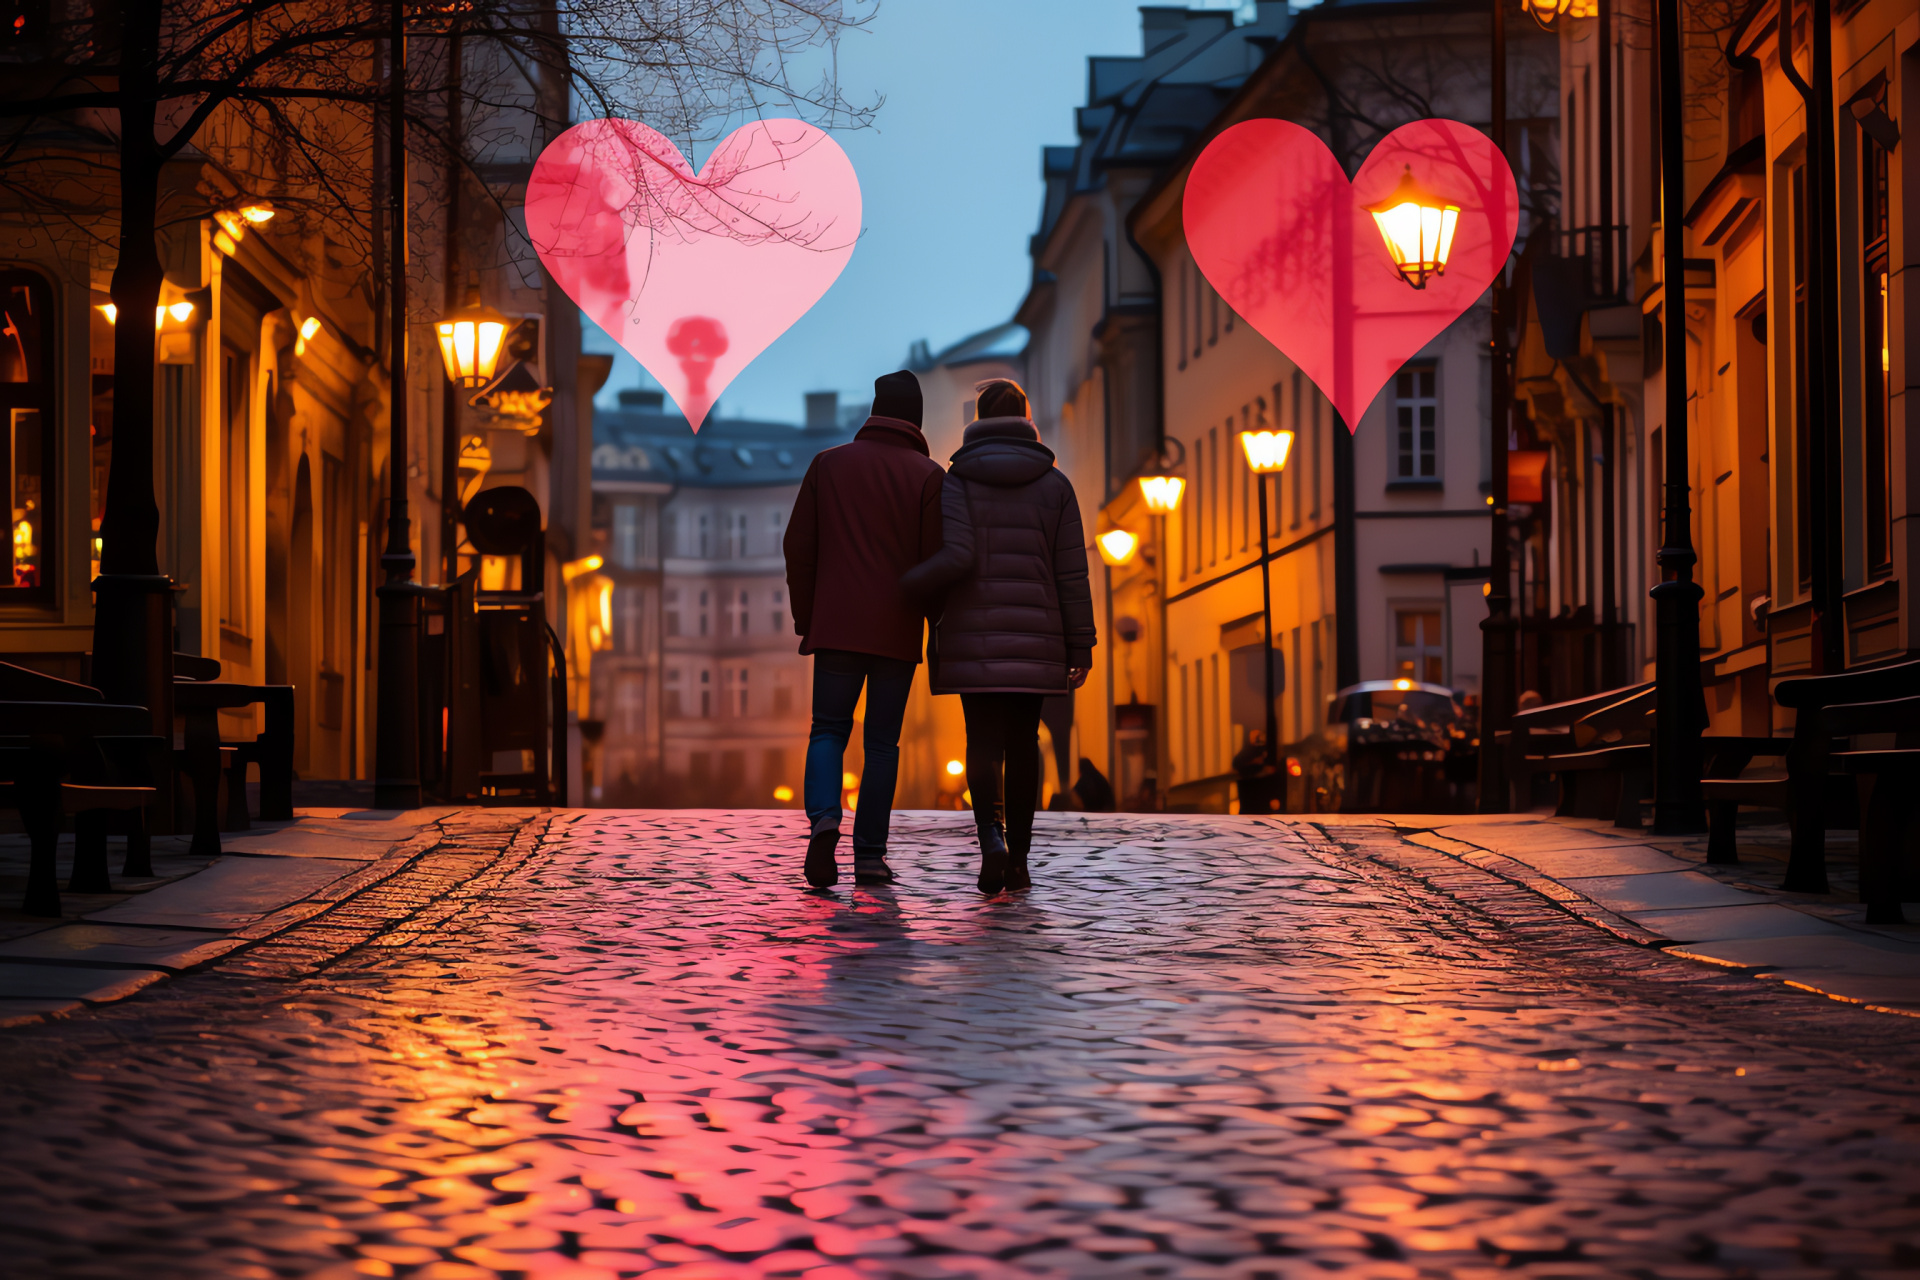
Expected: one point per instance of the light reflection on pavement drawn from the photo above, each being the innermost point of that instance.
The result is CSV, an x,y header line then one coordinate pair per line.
x,y
1199,1047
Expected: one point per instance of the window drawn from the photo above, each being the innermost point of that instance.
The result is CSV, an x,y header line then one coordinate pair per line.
x,y
782,692
703,617
1300,438
629,699
673,613
736,678
1877,355
736,527
1210,507
626,536
26,395
1802,419
676,707
236,458
1419,653
776,521
706,694
703,535
737,616
1416,423
630,599
778,617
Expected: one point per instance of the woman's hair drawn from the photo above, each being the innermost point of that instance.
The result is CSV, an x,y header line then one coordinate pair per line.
x,y
1001,398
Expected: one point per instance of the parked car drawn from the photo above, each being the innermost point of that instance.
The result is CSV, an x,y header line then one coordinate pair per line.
x,y
1387,746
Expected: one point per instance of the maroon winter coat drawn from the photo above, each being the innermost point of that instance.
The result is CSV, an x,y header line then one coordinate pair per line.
x,y
867,512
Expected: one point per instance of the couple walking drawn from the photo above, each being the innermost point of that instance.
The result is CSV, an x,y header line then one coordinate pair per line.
x,y
990,555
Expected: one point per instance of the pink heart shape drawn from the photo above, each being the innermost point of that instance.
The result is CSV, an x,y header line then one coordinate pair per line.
x,y
1281,234
694,274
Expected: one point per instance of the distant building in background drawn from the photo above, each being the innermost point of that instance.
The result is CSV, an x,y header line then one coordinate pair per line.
x,y
697,694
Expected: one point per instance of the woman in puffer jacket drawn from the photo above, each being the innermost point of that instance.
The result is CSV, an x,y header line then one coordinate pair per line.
x,y
1014,615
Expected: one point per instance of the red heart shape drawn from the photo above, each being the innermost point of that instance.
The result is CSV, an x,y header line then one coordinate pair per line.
x,y
1286,239
694,274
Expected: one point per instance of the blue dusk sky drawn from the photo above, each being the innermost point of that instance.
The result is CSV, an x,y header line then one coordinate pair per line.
x,y
950,181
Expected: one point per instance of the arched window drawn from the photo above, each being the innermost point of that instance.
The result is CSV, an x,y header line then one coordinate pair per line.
x,y
26,401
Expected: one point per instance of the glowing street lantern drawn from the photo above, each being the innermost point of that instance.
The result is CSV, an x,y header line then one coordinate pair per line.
x,y
1403,685
1117,546
257,211
1418,228
111,312
308,327
783,794
1162,493
1545,11
470,341
1266,450
955,768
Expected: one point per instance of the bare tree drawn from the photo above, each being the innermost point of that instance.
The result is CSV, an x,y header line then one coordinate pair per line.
x,y
142,113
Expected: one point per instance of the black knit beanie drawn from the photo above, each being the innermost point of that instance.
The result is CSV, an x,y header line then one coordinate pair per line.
x,y
897,395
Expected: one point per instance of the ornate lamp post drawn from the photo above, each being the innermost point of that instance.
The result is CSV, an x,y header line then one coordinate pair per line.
x,y
1679,703
1499,628
396,748
1266,453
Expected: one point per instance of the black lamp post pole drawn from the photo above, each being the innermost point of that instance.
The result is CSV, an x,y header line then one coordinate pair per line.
x,y
396,762
1498,628
1679,702
1276,780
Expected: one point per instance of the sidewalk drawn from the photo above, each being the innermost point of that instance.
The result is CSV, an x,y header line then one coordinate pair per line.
x,y
1661,892
193,909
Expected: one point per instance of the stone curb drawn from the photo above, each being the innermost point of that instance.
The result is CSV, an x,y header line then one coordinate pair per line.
x,y
303,910
1583,908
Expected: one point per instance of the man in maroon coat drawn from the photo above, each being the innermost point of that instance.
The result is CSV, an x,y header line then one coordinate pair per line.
x,y
867,512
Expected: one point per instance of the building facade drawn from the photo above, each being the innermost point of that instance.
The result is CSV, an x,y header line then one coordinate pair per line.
x,y
272,385
697,694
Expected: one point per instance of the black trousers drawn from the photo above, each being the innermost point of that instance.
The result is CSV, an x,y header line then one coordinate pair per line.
x,y
1003,734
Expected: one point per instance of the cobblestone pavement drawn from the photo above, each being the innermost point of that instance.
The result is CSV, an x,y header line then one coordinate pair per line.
x,y
632,1044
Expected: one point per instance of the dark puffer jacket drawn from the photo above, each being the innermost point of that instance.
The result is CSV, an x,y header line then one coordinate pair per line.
x,y
1018,610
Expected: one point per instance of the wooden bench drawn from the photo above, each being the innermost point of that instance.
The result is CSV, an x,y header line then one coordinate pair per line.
x,y
271,750
1888,777
82,760
1597,747
1817,794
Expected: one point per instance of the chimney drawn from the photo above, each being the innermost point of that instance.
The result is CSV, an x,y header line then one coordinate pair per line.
x,y
643,401
823,410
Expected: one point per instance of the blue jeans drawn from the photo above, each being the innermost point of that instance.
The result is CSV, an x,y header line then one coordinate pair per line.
x,y
837,677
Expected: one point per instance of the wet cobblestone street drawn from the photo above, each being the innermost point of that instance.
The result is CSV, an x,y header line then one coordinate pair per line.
x,y
1198,1047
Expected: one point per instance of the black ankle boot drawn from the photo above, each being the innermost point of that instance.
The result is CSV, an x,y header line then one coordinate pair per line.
x,y
822,873
870,867
1017,877
993,859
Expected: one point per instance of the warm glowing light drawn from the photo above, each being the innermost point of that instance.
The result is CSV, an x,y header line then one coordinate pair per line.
x,y
1403,685
470,341
1489,499
853,798
181,311
232,223
783,794
1545,11
1486,588
1162,493
257,211
1293,767
225,243
955,768
159,318
606,607
848,781
1117,546
1418,228
111,312
309,327
23,539
586,564
1266,450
